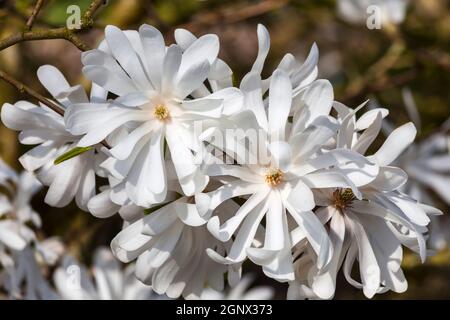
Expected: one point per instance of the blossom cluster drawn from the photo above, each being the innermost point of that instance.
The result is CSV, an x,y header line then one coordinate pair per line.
x,y
207,175
35,267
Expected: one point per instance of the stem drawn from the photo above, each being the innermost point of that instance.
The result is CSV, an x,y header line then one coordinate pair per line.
x,y
57,33
234,14
36,9
90,12
27,90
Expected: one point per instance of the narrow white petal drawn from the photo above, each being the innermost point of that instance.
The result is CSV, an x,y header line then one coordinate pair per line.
x,y
280,99
395,144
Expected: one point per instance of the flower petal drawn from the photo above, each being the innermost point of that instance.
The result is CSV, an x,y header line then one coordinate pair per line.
x,y
395,144
280,99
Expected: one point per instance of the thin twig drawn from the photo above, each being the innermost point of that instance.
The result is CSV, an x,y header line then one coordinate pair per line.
x,y
25,89
88,17
435,56
377,71
57,33
381,84
36,9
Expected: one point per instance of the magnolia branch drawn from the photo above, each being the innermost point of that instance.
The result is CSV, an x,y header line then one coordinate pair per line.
x,y
27,90
376,72
234,14
36,9
65,33
57,33
22,88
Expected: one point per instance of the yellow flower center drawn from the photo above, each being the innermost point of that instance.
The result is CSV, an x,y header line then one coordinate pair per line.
x,y
161,112
343,198
274,177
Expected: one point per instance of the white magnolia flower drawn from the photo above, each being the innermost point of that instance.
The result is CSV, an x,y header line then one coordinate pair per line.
x,y
170,245
300,74
220,75
311,201
280,177
101,206
27,279
16,212
6,173
107,282
153,84
74,178
371,229
358,11
427,164
241,292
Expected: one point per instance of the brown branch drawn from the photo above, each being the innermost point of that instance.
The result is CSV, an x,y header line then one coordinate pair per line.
x,y
376,72
46,34
27,90
36,9
434,56
88,17
57,33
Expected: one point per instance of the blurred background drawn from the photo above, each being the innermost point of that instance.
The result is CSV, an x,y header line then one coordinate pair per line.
x,y
402,66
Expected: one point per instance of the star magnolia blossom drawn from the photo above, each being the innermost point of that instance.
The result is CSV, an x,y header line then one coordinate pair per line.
x,y
74,178
27,279
300,74
427,164
282,181
152,89
16,212
371,229
311,200
220,75
22,254
170,245
109,281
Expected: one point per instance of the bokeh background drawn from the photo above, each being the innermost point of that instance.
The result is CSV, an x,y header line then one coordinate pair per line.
x,y
361,63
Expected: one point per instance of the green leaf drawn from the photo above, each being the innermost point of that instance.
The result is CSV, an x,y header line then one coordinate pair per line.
x,y
153,209
72,153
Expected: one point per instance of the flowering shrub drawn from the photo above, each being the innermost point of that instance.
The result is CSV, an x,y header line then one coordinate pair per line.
x,y
207,175
214,177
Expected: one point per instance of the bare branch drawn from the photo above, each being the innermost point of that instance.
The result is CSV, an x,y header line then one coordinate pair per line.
x,y
25,89
90,12
381,84
36,9
228,15
22,88
57,33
